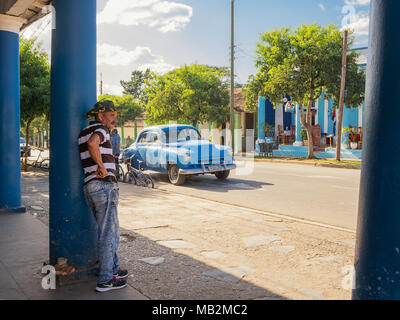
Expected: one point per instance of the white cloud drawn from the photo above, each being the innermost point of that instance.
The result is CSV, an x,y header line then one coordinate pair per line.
x,y
357,2
140,58
322,7
166,16
111,89
358,21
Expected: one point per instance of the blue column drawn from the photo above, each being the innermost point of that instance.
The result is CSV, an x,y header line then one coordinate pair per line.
x,y
331,129
350,117
73,93
321,112
10,165
261,118
377,258
299,140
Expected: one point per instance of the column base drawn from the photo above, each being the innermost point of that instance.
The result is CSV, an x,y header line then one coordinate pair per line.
x,y
298,144
80,275
21,209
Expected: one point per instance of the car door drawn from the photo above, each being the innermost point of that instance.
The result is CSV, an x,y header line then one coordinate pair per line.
x,y
153,151
141,147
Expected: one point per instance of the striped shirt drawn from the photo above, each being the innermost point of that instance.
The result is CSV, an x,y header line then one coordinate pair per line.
x,y
89,166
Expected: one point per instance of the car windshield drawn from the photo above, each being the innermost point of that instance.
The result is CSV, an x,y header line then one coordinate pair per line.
x,y
22,140
181,135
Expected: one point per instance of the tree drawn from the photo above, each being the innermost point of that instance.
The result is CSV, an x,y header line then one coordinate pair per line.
x,y
253,89
303,63
136,86
195,93
35,84
129,109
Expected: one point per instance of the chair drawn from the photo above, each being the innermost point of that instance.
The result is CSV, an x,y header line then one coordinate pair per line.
x,y
292,137
360,142
281,135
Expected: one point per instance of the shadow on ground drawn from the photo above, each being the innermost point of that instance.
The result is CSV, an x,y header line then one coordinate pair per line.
x,y
210,182
157,269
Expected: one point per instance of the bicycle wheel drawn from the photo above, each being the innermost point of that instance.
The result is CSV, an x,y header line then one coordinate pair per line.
x,y
44,164
121,175
130,178
148,181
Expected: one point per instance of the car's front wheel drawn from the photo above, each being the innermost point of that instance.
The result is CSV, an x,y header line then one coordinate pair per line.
x,y
222,175
174,177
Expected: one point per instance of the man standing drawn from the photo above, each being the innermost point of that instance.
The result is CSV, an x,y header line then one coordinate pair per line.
x,y
116,148
101,191
128,141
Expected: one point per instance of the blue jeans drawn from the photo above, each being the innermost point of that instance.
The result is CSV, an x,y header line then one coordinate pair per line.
x,y
102,198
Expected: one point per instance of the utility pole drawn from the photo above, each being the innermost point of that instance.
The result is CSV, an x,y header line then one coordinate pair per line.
x,y
101,83
232,72
341,99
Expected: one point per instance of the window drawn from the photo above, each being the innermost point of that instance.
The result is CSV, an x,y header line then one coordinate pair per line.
x,y
143,138
153,137
181,135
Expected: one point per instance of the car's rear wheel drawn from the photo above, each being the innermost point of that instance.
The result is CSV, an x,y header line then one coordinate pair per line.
x,y
222,175
173,175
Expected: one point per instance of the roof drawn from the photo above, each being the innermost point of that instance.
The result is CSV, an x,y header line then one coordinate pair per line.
x,y
169,126
240,99
363,58
24,12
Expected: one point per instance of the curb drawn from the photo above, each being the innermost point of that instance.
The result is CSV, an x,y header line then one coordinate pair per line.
x,y
316,164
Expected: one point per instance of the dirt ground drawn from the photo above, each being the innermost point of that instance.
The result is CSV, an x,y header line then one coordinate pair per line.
x,y
181,247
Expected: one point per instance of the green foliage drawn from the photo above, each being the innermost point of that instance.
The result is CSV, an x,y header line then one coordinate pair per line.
x,y
35,81
136,86
129,109
348,135
253,90
303,63
190,94
269,130
303,134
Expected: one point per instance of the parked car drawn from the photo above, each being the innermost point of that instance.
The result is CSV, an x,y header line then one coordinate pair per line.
x,y
179,151
24,148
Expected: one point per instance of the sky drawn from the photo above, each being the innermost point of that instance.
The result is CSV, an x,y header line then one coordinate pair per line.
x,y
163,34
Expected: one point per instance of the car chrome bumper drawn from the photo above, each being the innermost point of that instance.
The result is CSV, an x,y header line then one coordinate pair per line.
x,y
207,169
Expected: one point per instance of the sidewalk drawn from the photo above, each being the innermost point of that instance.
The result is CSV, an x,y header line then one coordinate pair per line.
x,y
181,247
23,249
328,163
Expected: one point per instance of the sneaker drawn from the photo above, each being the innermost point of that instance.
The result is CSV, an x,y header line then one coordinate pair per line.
x,y
122,274
113,284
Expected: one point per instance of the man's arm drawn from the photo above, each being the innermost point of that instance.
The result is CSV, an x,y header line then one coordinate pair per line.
x,y
94,150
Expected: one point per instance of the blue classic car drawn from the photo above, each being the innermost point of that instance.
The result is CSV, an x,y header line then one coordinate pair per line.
x,y
179,151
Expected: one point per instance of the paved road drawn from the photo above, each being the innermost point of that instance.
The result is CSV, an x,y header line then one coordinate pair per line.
x,y
324,195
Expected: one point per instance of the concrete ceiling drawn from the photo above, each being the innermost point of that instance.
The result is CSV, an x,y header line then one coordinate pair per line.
x,y
6,5
29,10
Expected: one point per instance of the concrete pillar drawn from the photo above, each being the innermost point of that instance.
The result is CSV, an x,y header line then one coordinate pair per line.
x,y
261,118
73,92
377,258
321,112
10,165
136,129
237,126
299,140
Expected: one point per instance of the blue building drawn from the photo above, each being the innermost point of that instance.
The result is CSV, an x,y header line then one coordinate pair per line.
x,y
323,115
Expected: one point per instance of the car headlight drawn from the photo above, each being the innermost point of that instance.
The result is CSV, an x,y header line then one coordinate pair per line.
x,y
186,157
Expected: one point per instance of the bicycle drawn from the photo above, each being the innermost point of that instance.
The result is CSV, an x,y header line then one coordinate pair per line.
x,y
137,176
43,163
120,172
